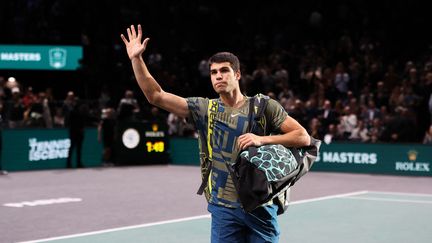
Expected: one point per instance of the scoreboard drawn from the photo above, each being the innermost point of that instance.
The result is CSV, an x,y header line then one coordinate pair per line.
x,y
140,143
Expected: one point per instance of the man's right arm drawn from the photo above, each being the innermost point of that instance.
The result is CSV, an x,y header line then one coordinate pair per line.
x,y
151,89
155,94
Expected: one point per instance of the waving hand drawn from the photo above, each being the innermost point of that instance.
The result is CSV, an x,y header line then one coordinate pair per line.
x,y
134,46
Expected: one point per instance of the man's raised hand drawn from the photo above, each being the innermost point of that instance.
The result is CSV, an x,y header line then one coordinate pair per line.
x,y
134,46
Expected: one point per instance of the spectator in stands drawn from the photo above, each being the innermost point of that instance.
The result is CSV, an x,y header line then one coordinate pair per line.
x,y
396,97
413,78
106,134
104,97
348,122
332,134
128,107
315,129
430,106
286,93
58,118
281,78
391,78
11,84
341,79
1,114
271,95
261,78
370,113
156,116
399,129
327,115
15,110
373,73
376,131
381,95
356,75
348,97
360,133
2,88
410,99
68,105
46,109
28,98
298,112
33,116
311,109
428,136
175,124
76,123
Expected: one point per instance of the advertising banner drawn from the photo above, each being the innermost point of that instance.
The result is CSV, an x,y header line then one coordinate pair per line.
x,y
391,159
35,149
31,57
398,159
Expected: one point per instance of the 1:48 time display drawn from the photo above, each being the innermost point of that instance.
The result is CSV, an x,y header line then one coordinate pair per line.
x,y
157,146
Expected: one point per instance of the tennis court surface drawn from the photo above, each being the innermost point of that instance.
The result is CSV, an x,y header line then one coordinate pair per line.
x,y
159,204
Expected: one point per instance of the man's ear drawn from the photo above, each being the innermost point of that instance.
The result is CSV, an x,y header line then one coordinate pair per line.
x,y
238,75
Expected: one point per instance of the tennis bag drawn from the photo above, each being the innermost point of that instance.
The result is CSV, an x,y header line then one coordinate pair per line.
x,y
265,173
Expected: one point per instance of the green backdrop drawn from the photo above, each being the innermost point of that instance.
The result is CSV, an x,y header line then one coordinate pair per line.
x,y
394,159
34,149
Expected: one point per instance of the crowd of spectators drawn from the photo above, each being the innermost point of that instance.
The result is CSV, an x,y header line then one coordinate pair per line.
x,y
346,71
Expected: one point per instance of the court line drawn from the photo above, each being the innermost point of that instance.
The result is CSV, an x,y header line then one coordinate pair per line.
x,y
180,220
119,229
329,197
389,200
402,193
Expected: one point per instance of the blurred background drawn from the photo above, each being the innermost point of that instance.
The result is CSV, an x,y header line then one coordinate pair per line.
x,y
356,74
347,71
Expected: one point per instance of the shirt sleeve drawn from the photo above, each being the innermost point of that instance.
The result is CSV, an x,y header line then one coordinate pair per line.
x,y
197,111
275,115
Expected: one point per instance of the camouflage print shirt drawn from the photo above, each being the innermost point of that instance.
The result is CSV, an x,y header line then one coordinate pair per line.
x,y
228,124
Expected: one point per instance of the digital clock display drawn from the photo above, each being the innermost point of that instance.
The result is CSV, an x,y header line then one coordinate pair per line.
x,y
142,143
158,146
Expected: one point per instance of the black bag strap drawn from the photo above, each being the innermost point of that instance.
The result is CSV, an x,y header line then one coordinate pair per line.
x,y
254,117
206,146
205,179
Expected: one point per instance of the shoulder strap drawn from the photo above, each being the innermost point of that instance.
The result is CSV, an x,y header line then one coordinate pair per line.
x,y
211,114
251,123
207,146
255,115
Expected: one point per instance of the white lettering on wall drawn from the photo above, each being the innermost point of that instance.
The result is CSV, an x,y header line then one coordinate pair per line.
x,y
51,149
20,56
348,157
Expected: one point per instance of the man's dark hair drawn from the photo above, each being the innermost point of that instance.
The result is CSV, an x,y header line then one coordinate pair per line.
x,y
226,57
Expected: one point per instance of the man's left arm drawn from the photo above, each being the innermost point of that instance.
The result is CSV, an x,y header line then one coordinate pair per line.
x,y
292,135
290,132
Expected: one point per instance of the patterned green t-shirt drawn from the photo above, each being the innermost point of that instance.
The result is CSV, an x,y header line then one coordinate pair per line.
x,y
229,124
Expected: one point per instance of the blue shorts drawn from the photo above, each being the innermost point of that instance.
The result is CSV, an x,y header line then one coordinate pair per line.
x,y
236,225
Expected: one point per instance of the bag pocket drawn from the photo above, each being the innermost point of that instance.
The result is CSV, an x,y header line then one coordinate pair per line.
x,y
251,184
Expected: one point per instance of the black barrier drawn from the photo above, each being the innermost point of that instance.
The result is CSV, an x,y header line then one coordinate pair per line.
x,y
141,143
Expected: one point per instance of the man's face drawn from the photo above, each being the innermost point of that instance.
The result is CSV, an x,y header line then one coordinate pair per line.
x,y
223,77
